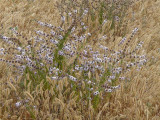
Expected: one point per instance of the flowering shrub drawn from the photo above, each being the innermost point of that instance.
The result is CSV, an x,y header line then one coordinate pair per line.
x,y
63,59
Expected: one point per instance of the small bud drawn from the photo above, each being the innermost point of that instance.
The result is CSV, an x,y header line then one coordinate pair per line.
x,y
18,104
96,93
89,34
54,78
63,18
89,82
75,11
69,14
104,21
108,90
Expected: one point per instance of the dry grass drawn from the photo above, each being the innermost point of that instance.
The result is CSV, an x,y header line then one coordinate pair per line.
x,y
137,99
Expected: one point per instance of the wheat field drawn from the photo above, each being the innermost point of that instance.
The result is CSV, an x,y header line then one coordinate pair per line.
x,y
138,98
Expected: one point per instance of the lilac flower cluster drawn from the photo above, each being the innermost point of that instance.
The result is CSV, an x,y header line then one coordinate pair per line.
x,y
64,44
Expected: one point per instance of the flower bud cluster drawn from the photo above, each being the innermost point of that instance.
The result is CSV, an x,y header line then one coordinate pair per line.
x,y
122,41
8,40
45,24
72,78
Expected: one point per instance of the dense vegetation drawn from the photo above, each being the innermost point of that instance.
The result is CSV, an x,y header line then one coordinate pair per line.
x,y
79,60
